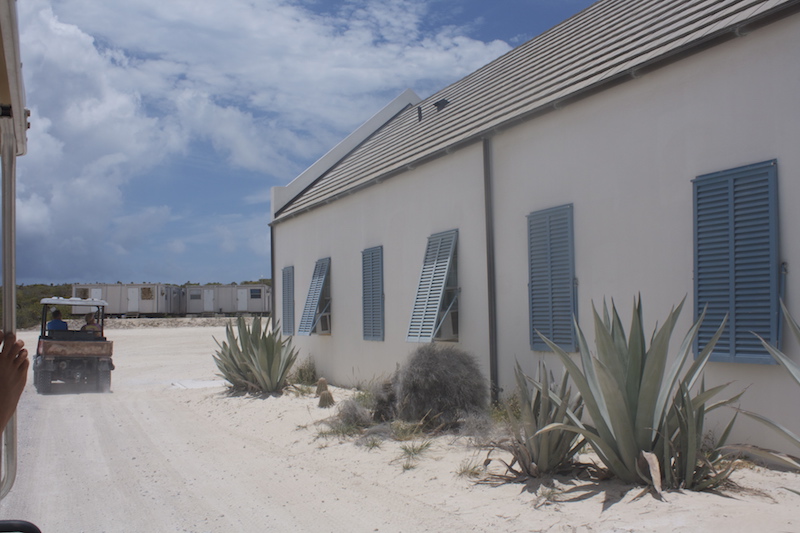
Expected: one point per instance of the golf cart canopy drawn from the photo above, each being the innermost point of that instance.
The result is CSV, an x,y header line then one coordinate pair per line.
x,y
87,302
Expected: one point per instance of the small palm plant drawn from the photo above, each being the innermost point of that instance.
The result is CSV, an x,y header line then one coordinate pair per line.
x,y
258,360
537,453
645,419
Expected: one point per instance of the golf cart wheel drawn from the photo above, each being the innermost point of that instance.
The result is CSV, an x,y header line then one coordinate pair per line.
x,y
42,381
104,381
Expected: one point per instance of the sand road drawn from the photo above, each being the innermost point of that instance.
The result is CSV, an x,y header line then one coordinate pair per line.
x,y
167,450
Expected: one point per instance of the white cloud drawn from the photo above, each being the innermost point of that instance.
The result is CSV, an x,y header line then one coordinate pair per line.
x,y
121,89
131,230
33,217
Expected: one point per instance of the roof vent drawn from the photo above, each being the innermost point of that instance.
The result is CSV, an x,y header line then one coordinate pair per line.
x,y
441,104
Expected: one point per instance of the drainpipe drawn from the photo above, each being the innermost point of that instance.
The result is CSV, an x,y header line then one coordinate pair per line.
x,y
491,283
272,273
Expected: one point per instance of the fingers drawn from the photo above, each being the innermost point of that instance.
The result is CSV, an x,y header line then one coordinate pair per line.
x,y
23,361
12,347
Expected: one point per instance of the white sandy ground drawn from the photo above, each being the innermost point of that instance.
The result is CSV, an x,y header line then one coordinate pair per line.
x,y
168,451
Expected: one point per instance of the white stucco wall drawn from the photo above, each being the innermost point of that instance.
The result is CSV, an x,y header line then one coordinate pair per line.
x,y
625,158
398,214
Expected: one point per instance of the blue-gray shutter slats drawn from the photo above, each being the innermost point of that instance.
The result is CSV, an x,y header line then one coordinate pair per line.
x,y
737,260
432,280
552,277
308,320
287,316
372,297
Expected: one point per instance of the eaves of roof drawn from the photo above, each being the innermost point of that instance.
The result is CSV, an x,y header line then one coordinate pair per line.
x,y
608,43
283,195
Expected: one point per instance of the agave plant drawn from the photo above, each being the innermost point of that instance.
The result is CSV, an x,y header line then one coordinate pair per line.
x,y
785,460
537,453
644,419
685,464
258,360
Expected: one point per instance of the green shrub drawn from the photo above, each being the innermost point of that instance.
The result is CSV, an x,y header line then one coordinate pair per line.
x,y
645,419
439,384
256,361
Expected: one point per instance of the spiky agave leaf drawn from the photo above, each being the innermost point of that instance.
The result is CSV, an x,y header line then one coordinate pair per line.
x,y
633,392
258,360
794,372
230,363
600,435
542,453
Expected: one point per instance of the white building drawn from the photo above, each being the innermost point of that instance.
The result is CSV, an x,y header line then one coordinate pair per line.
x,y
156,299
645,147
229,299
133,299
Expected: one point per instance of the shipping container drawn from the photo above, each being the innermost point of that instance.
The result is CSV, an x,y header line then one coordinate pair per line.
x,y
228,299
135,299
155,299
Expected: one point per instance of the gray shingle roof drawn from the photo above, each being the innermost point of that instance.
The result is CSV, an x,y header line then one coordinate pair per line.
x,y
609,41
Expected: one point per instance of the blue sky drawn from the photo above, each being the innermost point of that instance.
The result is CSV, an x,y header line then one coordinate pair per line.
x,y
158,127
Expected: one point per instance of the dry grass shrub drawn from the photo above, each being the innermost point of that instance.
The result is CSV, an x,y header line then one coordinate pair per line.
x,y
439,383
305,373
385,401
351,412
507,409
352,419
481,429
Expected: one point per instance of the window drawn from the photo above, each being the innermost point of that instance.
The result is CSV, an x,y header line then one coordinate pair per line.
x,y
195,294
147,293
435,312
82,292
372,293
736,260
288,301
255,294
551,282
317,312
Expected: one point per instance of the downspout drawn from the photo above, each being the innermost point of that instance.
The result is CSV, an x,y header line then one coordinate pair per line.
x,y
272,274
491,282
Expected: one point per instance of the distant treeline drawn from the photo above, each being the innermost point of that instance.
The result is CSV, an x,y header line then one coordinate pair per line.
x,y
29,310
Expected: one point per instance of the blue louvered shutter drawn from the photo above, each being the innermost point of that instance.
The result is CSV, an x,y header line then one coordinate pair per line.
x,y
288,301
552,277
372,293
308,320
435,271
737,260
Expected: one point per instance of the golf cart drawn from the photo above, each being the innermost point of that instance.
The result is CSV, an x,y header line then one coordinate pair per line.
x,y
78,357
